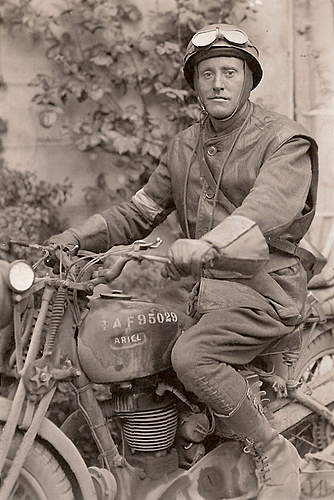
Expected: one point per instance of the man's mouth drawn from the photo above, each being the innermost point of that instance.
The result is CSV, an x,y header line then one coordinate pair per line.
x,y
218,98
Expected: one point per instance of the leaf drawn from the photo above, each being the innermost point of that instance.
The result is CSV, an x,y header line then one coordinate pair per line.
x,y
94,139
47,118
83,143
153,149
95,93
102,60
75,87
121,143
56,30
173,93
38,98
168,48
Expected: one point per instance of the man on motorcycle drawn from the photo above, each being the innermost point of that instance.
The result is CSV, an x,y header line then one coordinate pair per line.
x,y
243,182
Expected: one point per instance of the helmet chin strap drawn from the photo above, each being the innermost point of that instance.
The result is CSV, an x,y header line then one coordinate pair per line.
x,y
241,98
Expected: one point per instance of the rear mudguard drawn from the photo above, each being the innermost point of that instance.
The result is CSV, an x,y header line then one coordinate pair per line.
x,y
64,447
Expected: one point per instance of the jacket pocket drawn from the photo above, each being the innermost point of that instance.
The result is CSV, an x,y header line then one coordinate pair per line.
x,y
222,294
289,295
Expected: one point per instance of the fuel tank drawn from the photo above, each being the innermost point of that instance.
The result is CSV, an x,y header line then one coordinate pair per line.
x,y
122,338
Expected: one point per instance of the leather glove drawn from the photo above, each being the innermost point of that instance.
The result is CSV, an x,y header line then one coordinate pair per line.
x,y
188,257
67,239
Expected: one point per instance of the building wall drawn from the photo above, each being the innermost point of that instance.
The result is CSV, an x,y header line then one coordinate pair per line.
x,y
313,51
296,42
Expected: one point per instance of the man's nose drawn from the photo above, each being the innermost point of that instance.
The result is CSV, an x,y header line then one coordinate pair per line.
x,y
218,82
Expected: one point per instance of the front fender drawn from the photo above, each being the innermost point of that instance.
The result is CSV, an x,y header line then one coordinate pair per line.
x,y
64,447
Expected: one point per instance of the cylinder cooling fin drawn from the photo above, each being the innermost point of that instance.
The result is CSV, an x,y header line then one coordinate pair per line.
x,y
150,430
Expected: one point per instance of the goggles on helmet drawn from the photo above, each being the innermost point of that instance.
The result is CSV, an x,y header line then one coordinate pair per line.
x,y
205,38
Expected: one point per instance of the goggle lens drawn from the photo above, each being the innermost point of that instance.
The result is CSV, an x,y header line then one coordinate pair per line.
x,y
204,38
237,37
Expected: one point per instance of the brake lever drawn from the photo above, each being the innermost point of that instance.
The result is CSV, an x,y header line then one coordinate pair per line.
x,y
145,245
27,245
154,258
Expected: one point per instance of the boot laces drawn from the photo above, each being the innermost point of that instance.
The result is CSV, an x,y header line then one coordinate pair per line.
x,y
262,462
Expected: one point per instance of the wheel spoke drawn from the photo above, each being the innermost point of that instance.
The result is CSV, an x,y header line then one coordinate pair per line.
x,y
306,441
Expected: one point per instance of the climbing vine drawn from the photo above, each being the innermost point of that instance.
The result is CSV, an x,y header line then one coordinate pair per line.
x,y
121,72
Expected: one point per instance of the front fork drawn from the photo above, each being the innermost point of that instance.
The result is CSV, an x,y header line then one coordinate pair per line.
x,y
34,412
127,476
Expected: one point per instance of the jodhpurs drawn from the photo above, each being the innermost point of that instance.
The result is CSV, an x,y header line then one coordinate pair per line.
x,y
203,355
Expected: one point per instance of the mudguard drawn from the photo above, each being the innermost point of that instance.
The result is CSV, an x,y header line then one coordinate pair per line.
x,y
225,472
64,447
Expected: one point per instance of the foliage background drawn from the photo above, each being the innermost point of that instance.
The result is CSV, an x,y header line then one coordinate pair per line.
x,y
123,72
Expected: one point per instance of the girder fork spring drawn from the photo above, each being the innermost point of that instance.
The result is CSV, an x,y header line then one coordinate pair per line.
x,y
58,308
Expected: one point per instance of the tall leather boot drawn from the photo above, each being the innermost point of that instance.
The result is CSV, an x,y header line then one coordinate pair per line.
x,y
276,459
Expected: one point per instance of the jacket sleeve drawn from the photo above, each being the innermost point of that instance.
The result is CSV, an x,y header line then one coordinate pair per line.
x,y
280,191
148,207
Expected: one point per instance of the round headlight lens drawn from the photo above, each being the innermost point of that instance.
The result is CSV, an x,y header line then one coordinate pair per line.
x,y
20,276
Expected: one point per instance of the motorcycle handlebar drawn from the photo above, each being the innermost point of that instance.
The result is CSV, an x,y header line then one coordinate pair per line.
x,y
106,275
109,275
67,258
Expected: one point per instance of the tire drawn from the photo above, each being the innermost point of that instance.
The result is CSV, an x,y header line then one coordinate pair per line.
x,y
315,433
41,477
317,359
316,352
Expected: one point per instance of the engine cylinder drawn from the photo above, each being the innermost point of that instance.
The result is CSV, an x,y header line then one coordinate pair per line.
x,y
150,430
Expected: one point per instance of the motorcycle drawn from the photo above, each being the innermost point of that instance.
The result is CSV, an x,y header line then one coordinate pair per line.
x,y
154,440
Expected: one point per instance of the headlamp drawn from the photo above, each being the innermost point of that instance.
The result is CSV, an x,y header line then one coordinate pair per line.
x,y
207,37
20,276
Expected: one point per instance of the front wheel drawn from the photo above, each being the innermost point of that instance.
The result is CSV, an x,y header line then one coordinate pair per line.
x,y
41,477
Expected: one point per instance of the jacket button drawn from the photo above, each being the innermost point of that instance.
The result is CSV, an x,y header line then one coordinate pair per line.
x,y
212,150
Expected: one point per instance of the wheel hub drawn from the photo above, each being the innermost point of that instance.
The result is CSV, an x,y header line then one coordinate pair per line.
x,y
104,483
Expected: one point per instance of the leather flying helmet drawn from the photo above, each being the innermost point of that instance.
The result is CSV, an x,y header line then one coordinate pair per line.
x,y
221,40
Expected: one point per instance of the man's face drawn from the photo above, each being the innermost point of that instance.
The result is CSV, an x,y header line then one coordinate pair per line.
x,y
220,83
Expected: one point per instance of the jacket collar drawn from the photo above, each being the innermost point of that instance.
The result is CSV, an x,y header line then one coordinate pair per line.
x,y
229,125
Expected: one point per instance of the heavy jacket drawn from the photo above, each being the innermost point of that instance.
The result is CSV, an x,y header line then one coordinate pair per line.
x,y
267,167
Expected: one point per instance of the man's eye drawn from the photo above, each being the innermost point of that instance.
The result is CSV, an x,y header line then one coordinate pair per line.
x,y
230,73
207,74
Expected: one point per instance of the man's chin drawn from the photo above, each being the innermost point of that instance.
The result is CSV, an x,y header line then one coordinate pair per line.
x,y
219,113
220,116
